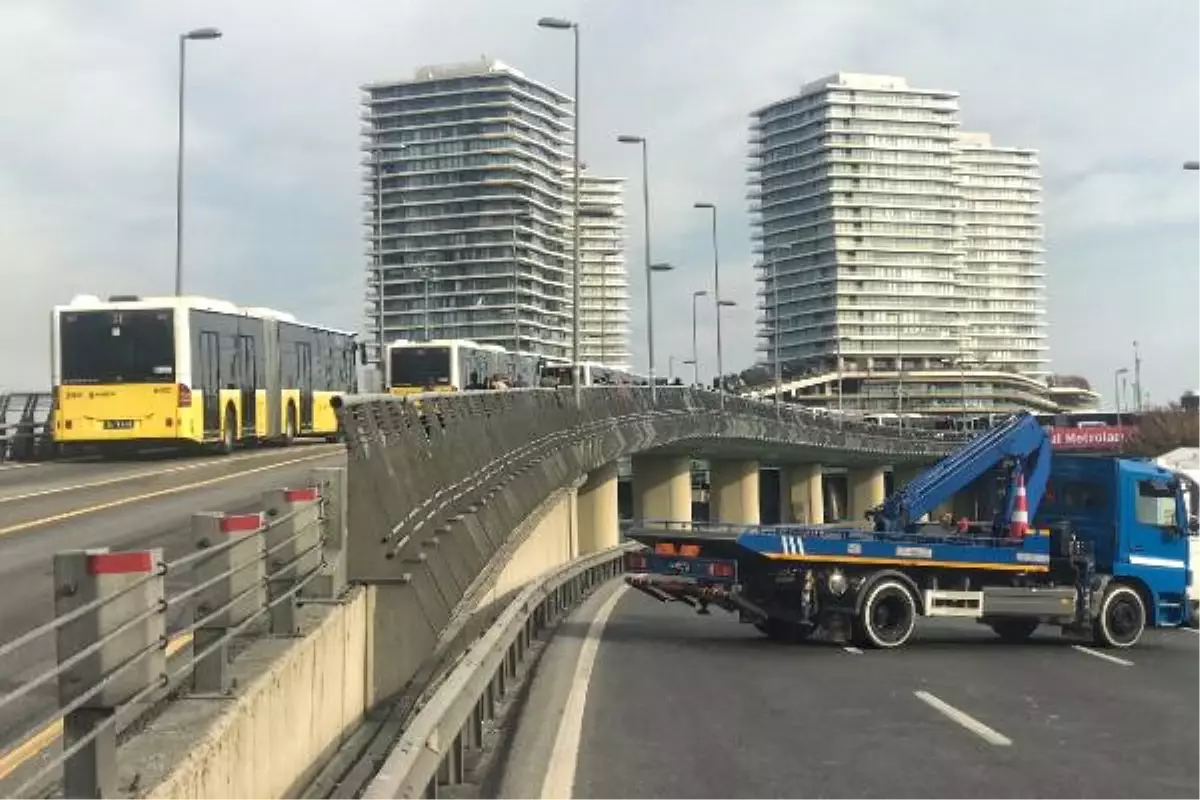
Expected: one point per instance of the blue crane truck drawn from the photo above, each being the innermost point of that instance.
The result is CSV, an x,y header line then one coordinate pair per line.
x,y
1105,554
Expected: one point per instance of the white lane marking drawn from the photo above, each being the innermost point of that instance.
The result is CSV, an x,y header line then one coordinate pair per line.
x,y
215,462
560,775
1191,630
21,465
854,651
976,727
1104,656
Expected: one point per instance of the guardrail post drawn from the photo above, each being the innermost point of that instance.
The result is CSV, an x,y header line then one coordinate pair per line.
x,y
135,654
236,569
293,549
331,485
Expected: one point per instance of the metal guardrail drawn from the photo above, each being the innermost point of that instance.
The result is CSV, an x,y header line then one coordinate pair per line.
x,y
433,749
111,609
25,425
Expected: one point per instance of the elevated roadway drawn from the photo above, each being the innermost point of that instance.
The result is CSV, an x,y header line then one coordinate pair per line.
x,y
655,701
48,507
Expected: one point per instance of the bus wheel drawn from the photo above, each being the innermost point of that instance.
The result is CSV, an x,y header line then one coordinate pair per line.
x,y
229,432
1014,629
1122,617
888,616
289,425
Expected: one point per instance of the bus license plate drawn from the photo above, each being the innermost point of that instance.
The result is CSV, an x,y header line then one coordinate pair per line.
x,y
118,424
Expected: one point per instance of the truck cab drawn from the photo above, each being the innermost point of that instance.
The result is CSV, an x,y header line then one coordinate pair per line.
x,y
1132,517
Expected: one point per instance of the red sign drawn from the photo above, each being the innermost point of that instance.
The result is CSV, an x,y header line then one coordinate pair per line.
x,y
1108,437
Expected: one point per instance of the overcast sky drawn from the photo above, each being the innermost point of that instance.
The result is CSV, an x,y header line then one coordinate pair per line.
x,y
1107,91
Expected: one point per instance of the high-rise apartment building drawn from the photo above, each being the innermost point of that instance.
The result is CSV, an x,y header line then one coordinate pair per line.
x,y
604,281
468,210
892,244
1002,283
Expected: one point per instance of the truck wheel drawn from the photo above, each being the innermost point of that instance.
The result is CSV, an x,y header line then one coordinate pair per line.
x,y
778,630
1122,617
888,616
1014,629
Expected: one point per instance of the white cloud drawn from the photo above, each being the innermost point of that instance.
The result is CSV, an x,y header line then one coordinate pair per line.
x,y
1105,90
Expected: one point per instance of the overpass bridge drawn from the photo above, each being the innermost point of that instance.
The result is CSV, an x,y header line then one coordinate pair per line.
x,y
469,524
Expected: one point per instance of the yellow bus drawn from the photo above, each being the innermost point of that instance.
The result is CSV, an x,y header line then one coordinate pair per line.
x,y
456,365
192,370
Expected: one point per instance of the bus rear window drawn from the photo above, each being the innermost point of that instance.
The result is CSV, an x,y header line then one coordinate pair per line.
x,y
117,347
421,366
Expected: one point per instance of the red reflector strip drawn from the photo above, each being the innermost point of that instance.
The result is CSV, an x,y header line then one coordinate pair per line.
x,y
298,495
119,563
689,550
719,570
241,523
664,548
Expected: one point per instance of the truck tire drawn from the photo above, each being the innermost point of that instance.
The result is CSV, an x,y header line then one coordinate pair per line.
x,y
1122,617
1014,629
888,616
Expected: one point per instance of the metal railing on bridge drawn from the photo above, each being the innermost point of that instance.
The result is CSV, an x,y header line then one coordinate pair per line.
x,y
123,619
25,425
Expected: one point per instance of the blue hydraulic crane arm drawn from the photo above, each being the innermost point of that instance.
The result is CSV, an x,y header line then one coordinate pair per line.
x,y
1020,438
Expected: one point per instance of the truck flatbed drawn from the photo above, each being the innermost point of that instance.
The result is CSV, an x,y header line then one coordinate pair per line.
x,y
853,546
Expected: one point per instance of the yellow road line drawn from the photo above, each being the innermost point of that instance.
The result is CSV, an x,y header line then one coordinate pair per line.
x,y
79,512
136,475
13,759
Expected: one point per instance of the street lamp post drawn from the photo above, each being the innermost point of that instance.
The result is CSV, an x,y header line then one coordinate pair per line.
x,y
661,267
777,326
695,354
641,140
557,23
1117,391
1137,378
199,34
716,298
378,151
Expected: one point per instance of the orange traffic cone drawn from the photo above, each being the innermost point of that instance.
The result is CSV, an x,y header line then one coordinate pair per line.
x,y
1018,527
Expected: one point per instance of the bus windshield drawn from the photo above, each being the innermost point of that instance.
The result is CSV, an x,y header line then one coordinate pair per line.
x,y
421,366
117,346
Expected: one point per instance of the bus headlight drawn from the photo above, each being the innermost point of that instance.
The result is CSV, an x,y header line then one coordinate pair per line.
x,y
837,583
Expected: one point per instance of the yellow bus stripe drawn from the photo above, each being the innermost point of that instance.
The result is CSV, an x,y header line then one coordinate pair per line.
x,y
908,562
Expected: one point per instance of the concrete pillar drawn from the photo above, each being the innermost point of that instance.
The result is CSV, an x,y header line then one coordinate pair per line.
x,y
597,509
662,488
866,490
801,494
733,492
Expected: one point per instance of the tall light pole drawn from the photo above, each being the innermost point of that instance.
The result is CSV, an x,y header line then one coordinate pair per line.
x,y
716,298
641,140
650,323
377,152
722,304
695,354
778,326
1117,391
199,34
1137,378
557,23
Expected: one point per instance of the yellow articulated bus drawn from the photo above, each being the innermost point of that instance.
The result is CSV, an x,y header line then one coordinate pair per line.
x,y
457,365
135,371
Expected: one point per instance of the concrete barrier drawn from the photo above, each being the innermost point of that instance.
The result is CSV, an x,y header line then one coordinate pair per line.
x,y
294,701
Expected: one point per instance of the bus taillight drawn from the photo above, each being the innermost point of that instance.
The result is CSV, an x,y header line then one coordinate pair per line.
x,y
185,396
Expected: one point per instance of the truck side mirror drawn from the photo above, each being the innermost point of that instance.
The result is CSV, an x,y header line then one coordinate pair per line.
x,y
362,353
1193,524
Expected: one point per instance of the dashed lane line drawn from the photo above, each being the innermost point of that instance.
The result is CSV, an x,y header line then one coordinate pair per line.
x,y
79,512
1105,656
989,735
144,474
854,651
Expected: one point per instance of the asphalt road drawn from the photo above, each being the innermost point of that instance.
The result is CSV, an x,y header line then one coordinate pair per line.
x,y
145,502
684,706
